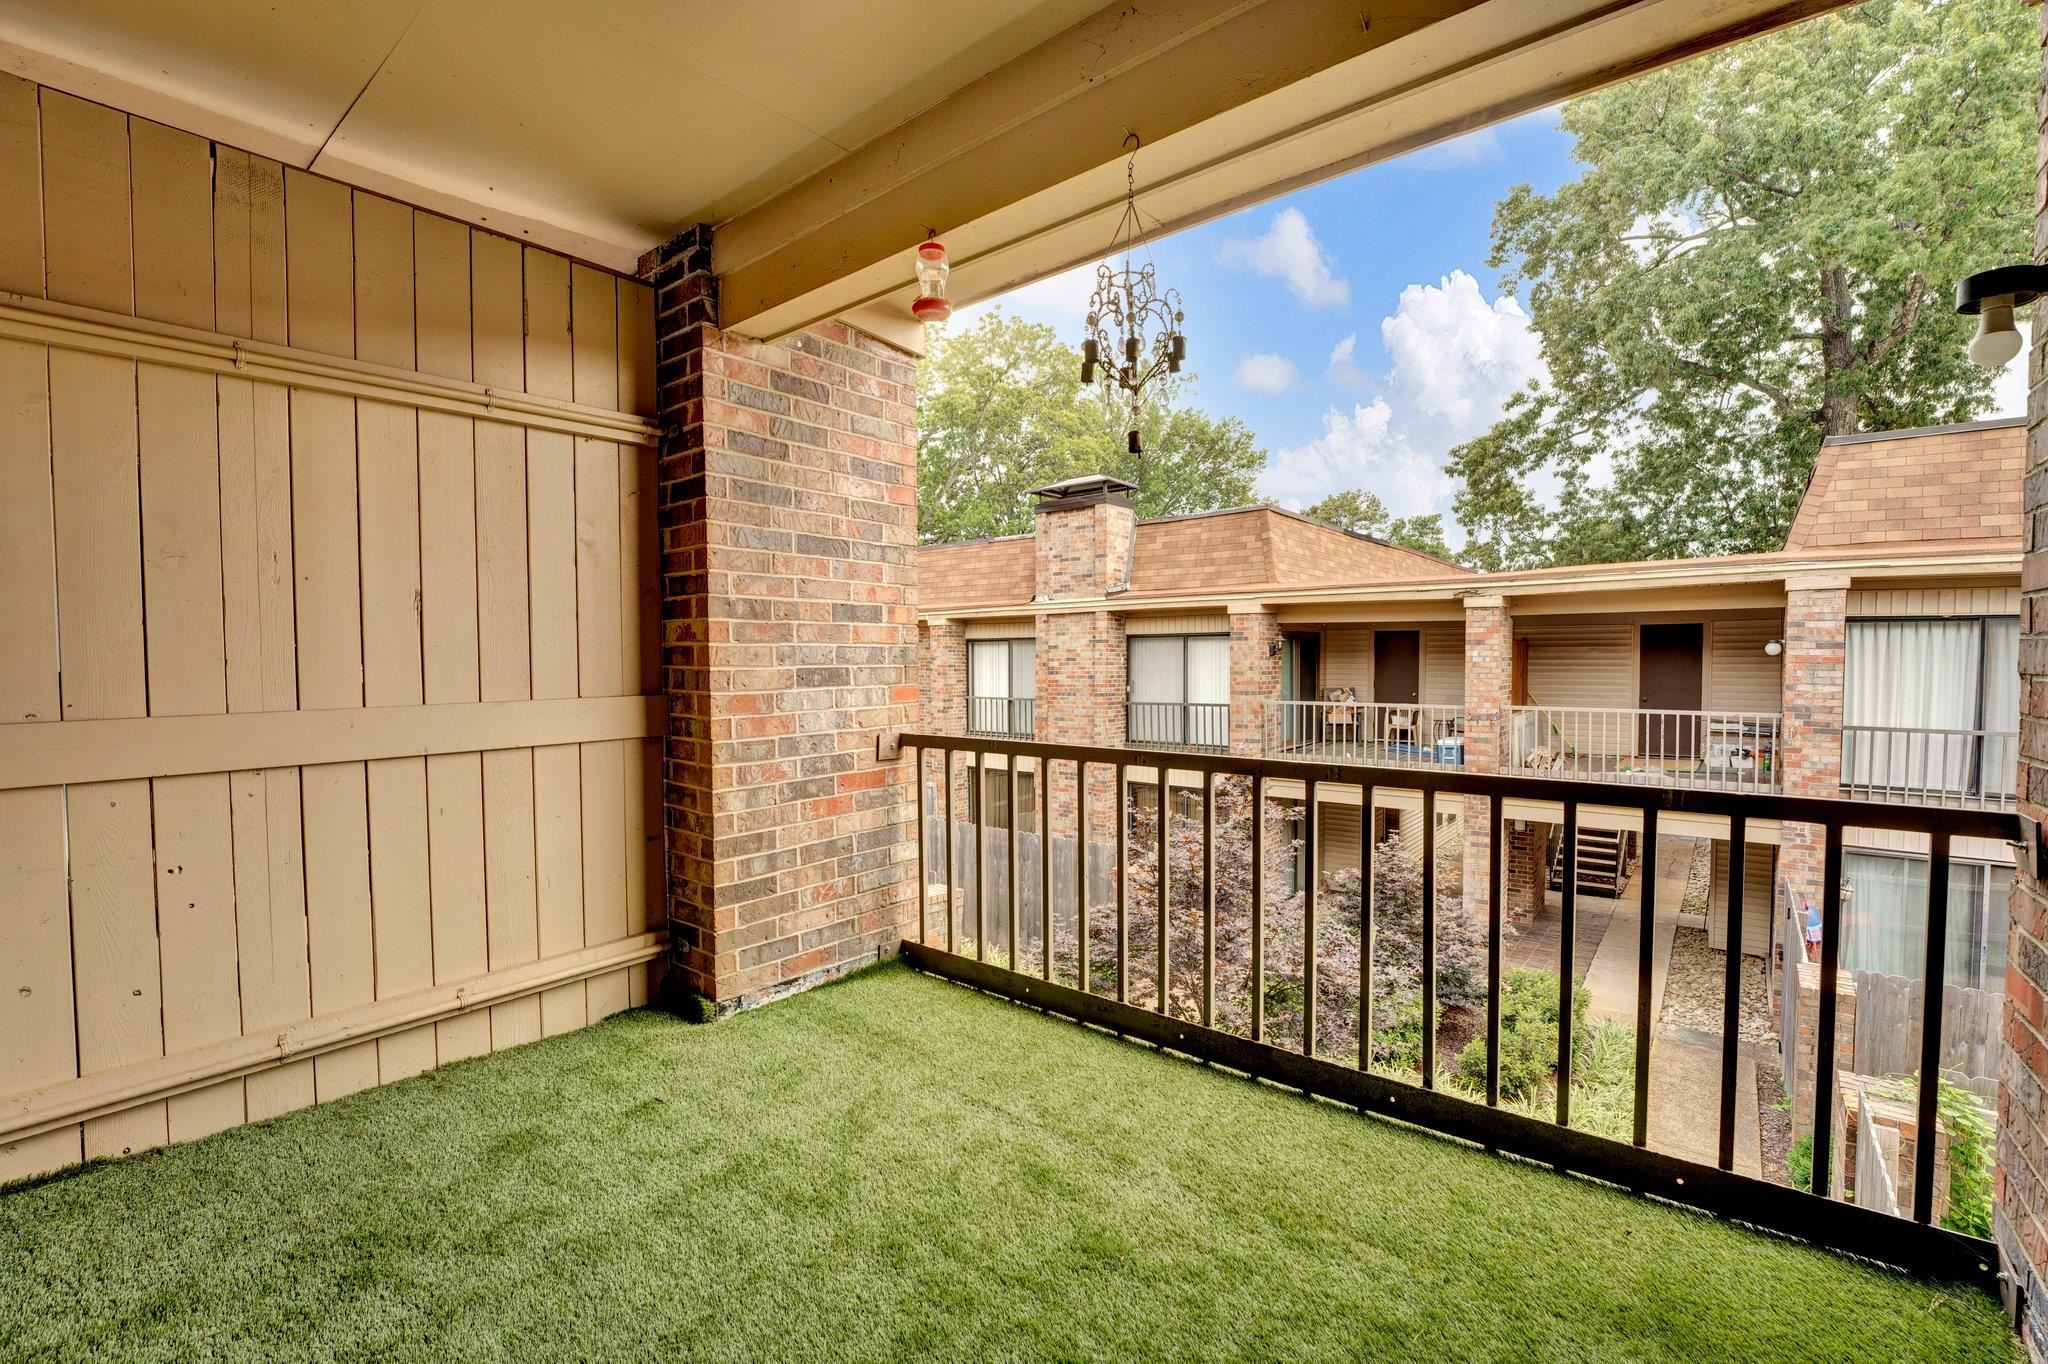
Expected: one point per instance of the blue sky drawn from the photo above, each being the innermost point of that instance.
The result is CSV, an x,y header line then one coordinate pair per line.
x,y
1354,325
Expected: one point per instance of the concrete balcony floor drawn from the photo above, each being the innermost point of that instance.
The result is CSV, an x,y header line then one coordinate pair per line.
x,y
897,1168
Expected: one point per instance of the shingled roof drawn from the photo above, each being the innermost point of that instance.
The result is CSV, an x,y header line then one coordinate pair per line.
x,y
1935,484
1244,547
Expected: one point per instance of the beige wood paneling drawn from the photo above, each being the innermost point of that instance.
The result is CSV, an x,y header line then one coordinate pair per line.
x,y
1740,676
1936,601
1443,665
348,757
1758,893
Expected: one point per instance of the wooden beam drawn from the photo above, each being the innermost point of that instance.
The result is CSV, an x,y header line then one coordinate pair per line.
x,y
1058,111
71,751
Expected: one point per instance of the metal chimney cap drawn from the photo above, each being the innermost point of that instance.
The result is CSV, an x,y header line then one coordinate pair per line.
x,y
1083,491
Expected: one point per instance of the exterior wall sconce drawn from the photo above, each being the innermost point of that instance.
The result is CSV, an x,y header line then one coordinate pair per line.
x,y
931,304
1274,647
1775,647
1990,296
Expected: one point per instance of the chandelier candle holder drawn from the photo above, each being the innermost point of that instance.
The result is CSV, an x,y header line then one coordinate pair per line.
x,y
1130,318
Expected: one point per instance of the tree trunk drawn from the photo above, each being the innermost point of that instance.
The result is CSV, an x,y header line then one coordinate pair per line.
x,y
1840,409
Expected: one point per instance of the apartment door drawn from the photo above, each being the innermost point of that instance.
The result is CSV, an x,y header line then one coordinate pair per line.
x,y
1669,670
1397,680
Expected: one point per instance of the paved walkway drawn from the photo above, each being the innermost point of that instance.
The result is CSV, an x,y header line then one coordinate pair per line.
x,y
1685,1074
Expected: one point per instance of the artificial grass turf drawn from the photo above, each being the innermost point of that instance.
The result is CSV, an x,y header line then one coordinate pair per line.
x,y
894,1168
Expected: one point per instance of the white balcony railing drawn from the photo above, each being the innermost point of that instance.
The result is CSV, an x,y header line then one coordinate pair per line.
x,y
1379,733
1007,717
1179,724
1715,749
1971,768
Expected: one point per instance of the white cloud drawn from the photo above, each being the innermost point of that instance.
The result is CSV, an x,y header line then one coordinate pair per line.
x,y
1343,370
1289,252
1358,449
1264,372
1457,357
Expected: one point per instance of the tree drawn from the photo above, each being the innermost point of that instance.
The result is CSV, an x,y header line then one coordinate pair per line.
x,y
1758,255
1354,509
1001,410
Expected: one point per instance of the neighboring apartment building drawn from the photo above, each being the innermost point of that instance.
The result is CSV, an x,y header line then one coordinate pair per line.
x,y
1875,656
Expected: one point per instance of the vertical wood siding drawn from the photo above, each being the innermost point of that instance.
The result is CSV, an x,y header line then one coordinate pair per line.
x,y
179,543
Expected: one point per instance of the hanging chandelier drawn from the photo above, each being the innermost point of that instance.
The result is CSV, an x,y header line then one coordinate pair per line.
x,y
1130,319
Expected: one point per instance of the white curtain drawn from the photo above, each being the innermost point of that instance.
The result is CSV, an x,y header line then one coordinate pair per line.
x,y
1911,675
1999,774
1023,668
1209,669
1884,919
1209,690
988,670
1156,668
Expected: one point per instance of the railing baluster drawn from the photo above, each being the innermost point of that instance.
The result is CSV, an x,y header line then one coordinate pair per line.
x,y
1015,950
1646,937
1258,975
1045,866
1308,921
1824,1040
1931,999
1429,939
1165,837
1081,874
924,885
1496,831
1123,863
1731,985
1568,933
1365,873
946,787
980,804
1208,899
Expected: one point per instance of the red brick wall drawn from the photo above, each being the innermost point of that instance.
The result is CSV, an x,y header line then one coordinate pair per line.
x,y
788,524
1083,552
1810,750
2019,1221
942,671
1254,677
1489,680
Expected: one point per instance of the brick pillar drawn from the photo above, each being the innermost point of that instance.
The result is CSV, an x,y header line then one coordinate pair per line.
x,y
1489,680
787,518
1081,664
942,664
1254,677
2019,1219
1810,738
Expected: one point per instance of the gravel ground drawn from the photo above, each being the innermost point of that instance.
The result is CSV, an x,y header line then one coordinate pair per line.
x,y
1776,1136
1692,992
1699,882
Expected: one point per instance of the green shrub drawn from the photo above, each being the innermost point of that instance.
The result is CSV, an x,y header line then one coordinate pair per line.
x,y
1528,1036
1799,1163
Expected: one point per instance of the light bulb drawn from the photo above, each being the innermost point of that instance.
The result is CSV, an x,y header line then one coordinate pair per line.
x,y
1997,339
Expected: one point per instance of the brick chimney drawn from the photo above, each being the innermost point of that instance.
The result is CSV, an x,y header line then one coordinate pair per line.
x,y
1085,528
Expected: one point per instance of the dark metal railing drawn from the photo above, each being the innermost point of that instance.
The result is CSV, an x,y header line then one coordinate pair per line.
x,y
1178,724
1007,717
1062,940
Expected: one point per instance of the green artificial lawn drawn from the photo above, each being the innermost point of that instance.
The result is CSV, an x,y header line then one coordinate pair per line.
x,y
891,1168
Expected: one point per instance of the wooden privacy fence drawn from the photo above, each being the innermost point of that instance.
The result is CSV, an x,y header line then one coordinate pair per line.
x,y
329,609
1888,1013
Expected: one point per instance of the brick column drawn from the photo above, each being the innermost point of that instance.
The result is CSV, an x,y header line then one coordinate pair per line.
x,y
1081,665
788,522
942,664
1254,677
1810,737
2019,1220
1489,681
